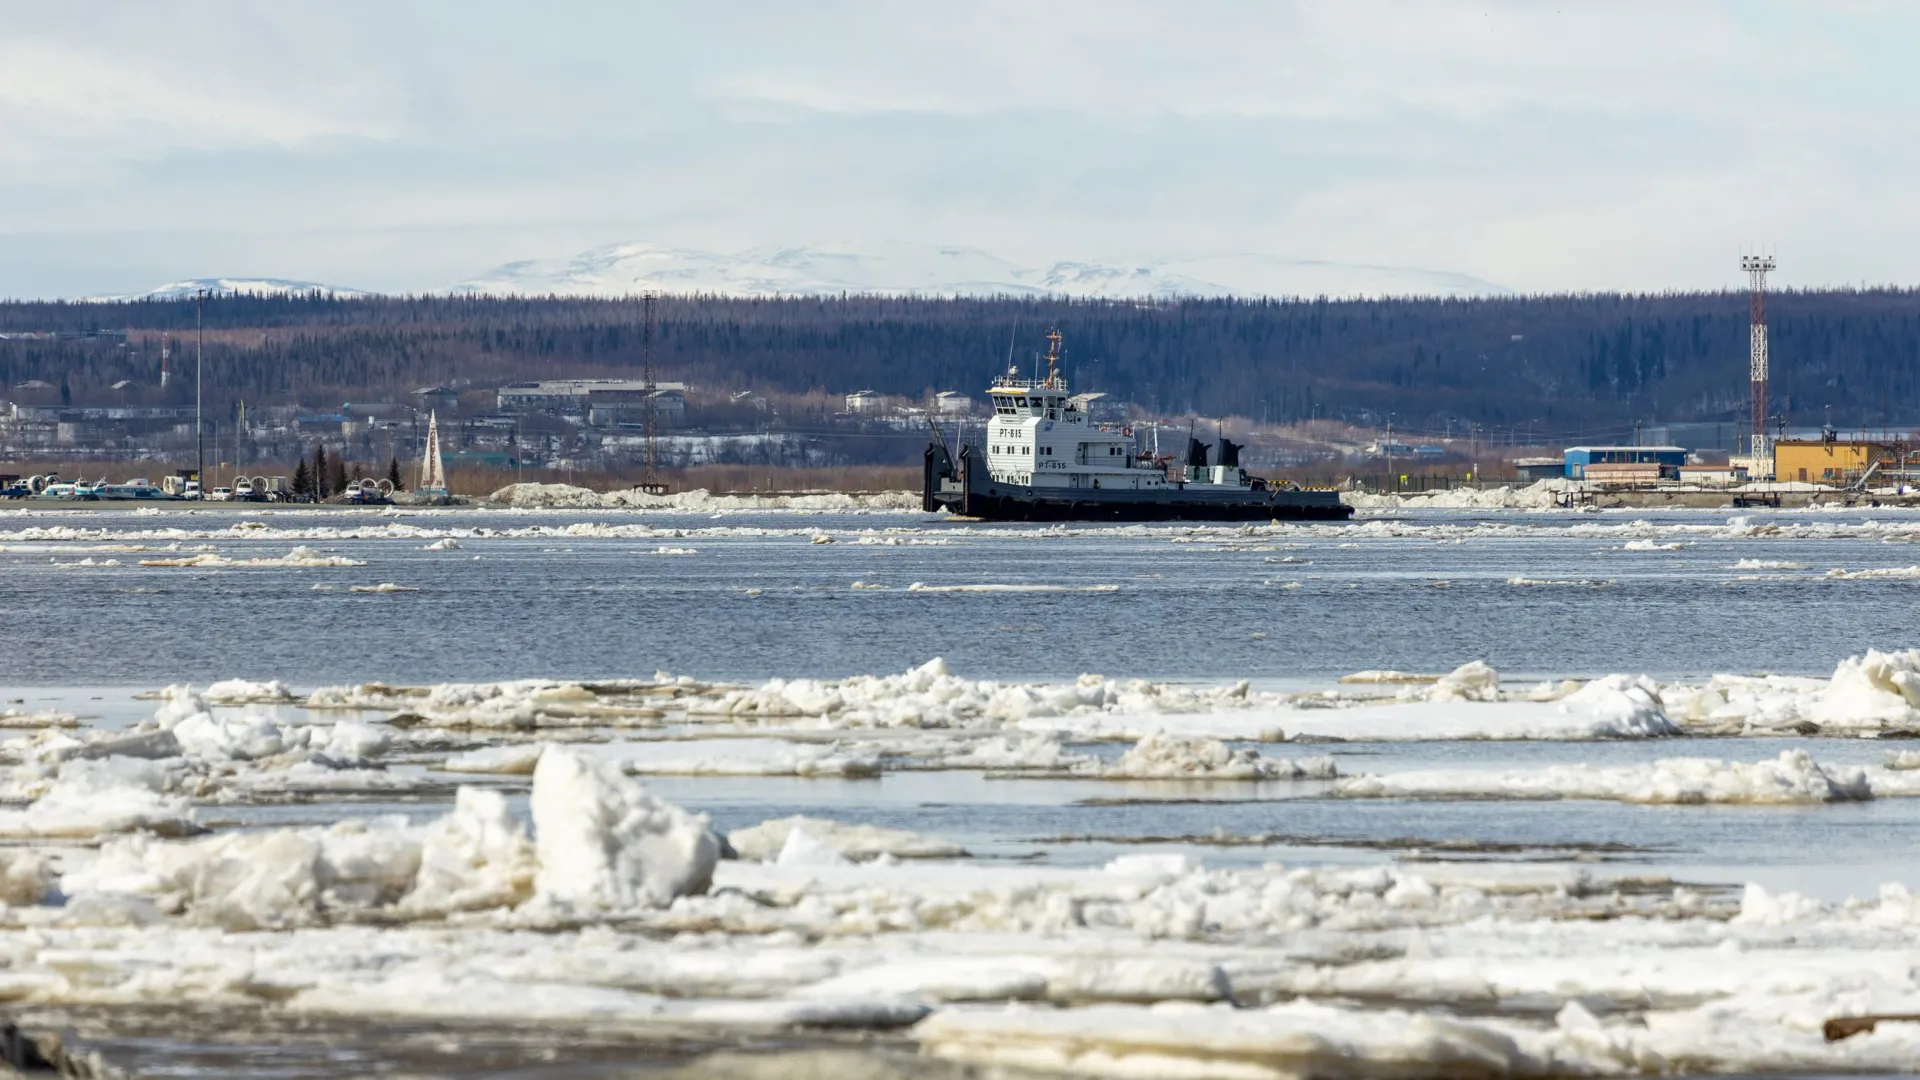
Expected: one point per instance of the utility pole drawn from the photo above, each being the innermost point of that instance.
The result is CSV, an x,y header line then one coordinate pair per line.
x,y
650,479
199,382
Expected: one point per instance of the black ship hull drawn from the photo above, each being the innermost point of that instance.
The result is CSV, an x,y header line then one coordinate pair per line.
x,y
958,488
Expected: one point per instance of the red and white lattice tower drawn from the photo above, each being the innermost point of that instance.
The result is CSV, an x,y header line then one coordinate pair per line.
x,y
1756,267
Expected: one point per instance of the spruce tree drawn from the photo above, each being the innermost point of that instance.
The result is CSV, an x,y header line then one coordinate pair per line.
x,y
337,479
320,474
393,472
302,481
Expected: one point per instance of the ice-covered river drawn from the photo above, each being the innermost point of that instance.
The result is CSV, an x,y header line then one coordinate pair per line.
x,y
546,792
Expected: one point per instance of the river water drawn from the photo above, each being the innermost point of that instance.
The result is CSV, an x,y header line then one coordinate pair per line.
x,y
748,596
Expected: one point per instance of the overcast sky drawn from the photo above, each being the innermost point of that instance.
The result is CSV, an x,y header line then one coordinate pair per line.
x,y
396,145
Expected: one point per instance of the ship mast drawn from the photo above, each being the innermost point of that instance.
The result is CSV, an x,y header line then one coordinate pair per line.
x,y
1053,359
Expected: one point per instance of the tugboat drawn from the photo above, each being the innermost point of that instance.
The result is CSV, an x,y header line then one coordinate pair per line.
x,y
1046,462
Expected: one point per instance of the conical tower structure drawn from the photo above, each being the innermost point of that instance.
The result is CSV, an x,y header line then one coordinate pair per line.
x,y
433,471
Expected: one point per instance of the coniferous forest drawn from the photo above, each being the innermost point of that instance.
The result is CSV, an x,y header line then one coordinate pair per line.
x,y
1600,359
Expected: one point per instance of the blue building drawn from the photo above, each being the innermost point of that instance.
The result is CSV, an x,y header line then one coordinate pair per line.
x,y
1669,458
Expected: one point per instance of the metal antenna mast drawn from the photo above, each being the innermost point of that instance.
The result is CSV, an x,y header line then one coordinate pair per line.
x,y
650,480
1757,267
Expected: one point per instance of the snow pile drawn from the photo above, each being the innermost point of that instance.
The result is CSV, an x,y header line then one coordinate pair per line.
x,y
767,840
93,797
568,497
604,843
477,856
1793,777
1160,756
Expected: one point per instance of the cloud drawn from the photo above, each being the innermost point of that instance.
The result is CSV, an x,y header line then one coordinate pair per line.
x,y
1571,146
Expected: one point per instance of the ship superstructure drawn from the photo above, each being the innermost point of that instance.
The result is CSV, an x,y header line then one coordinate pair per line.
x,y
1045,459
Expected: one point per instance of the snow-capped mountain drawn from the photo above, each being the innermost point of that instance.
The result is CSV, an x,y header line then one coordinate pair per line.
x,y
184,290
902,269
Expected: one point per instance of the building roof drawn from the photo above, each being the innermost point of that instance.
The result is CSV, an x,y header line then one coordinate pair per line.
x,y
583,387
1626,449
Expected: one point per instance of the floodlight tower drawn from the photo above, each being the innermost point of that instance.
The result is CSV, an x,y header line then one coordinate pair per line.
x,y
1757,267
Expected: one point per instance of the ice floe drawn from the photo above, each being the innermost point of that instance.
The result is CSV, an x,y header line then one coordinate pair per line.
x,y
563,496
1793,777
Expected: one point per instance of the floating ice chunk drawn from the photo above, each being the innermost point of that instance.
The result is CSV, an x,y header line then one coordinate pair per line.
x,y
241,738
743,757
301,556
1876,690
1378,675
801,849
1879,573
93,797
997,587
1767,564
1621,707
1793,777
177,703
45,718
1759,906
515,759
769,839
245,692
1471,681
383,587
605,843
1160,756
1648,545
1015,753
1903,759
672,551
475,857
353,739
478,856
445,543
1293,1040
1582,583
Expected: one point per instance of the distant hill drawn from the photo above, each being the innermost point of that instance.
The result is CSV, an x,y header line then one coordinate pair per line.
x,y
185,290
1564,368
630,269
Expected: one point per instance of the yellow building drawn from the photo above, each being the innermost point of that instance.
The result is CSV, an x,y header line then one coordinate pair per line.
x,y
1821,462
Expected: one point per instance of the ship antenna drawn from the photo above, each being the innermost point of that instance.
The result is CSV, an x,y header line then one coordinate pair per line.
x,y
1053,358
1010,336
